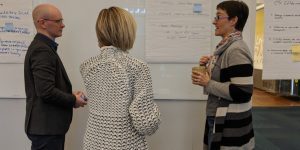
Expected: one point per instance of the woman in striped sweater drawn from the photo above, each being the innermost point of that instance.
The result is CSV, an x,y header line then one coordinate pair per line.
x,y
229,82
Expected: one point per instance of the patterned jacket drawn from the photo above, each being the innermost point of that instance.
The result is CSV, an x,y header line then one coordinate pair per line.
x,y
121,106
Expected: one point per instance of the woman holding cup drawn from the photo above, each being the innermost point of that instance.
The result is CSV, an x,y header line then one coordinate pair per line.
x,y
228,82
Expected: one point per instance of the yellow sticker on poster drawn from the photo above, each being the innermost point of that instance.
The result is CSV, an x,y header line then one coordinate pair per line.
x,y
296,52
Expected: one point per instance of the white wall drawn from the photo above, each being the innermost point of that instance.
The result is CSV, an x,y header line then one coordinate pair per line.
x,y
12,118
183,121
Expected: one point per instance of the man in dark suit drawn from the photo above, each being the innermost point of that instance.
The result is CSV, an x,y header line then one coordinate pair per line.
x,y
49,102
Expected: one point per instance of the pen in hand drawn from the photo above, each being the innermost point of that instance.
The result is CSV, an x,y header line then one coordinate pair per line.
x,y
83,97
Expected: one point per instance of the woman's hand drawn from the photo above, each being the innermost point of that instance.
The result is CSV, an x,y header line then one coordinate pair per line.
x,y
204,60
201,79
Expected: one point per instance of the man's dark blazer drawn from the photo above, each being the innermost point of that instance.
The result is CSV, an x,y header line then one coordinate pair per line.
x,y
49,99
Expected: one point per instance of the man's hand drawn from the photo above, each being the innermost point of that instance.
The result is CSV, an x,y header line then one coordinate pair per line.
x,y
80,99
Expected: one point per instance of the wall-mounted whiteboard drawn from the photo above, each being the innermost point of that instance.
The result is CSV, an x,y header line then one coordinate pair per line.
x,y
16,32
15,29
177,31
12,81
79,42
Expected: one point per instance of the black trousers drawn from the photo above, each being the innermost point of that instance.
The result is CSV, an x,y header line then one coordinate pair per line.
x,y
47,142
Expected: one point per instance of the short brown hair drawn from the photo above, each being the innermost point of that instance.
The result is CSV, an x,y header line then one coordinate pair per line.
x,y
236,9
116,27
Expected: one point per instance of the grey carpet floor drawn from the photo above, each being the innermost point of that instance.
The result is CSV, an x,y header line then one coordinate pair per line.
x,y
277,128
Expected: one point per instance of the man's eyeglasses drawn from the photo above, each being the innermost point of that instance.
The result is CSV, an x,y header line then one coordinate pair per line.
x,y
58,21
217,18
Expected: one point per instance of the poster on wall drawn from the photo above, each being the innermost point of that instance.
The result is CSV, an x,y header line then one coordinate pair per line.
x,y
177,31
16,29
282,39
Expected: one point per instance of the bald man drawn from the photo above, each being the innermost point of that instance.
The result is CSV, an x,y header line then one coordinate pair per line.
x,y
49,97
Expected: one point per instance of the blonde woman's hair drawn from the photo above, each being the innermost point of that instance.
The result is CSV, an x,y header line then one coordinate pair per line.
x,y
116,27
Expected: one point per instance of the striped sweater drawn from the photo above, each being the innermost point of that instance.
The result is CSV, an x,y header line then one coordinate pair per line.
x,y
232,90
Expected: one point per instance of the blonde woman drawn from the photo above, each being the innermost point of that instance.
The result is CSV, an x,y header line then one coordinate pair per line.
x,y
119,87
